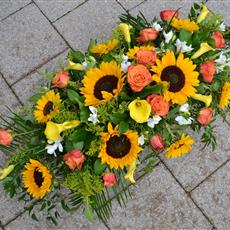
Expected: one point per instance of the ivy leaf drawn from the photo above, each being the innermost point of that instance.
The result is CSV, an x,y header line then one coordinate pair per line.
x,y
185,35
75,97
76,56
123,127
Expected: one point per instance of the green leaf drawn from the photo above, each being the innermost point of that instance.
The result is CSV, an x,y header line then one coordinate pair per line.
x,y
99,167
123,127
84,114
185,35
88,212
34,217
75,97
35,97
148,90
78,145
116,118
76,56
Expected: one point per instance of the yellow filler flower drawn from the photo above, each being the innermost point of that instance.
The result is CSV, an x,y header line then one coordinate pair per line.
x,y
132,52
104,48
225,95
185,24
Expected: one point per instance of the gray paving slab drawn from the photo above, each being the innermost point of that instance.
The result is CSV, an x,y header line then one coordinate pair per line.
x,y
213,196
54,9
8,7
130,4
31,83
194,167
95,19
27,40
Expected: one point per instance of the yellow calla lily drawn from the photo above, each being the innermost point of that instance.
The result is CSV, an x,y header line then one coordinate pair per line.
x,y
54,130
203,14
73,66
124,29
206,99
5,172
130,174
139,110
204,47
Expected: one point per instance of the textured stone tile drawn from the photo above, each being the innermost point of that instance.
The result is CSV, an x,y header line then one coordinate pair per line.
x,y
54,9
7,7
95,19
213,196
129,4
195,166
158,203
27,40
31,83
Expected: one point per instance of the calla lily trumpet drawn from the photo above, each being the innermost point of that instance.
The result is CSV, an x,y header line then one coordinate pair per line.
x,y
206,99
204,47
73,66
130,174
203,14
124,29
5,172
53,130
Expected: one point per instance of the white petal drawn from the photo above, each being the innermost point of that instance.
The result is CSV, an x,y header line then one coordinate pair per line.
x,y
157,26
222,26
222,59
60,148
125,66
125,58
182,47
84,65
183,121
141,140
93,110
184,108
168,36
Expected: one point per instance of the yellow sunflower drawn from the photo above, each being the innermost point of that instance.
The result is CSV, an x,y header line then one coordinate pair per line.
x,y
36,179
225,95
185,24
118,150
104,48
180,147
132,52
47,107
102,84
178,75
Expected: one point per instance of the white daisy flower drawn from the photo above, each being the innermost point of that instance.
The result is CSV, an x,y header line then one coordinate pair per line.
x,y
183,121
157,26
125,63
222,59
168,36
141,140
184,108
151,122
182,47
93,115
222,26
53,146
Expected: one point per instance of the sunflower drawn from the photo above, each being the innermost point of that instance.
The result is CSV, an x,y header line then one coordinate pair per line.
x,y
47,107
36,179
104,48
179,76
132,52
225,95
180,147
102,84
185,24
118,150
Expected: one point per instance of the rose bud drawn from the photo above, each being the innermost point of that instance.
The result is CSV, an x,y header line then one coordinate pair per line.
x,y
157,143
74,159
61,79
147,34
207,69
5,137
159,105
205,116
167,15
109,179
146,57
219,39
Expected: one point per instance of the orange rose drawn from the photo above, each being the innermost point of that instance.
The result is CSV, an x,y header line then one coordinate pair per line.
x,y
61,79
158,104
5,137
109,179
146,57
138,77
167,15
219,39
207,69
157,143
205,116
74,159
147,34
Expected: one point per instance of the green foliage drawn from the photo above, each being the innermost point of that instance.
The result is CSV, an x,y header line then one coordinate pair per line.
x,y
76,56
208,137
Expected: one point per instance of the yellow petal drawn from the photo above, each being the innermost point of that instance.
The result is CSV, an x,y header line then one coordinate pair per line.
x,y
130,174
204,47
139,110
5,172
206,99
124,29
73,66
203,14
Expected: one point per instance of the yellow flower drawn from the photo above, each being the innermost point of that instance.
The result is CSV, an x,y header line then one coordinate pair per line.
x,y
225,95
73,66
130,174
203,14
180,74
118,150
124,29
180,147
206,99
104,48
5,172
185,24
139,110
204,47
132,52
36,179
47,107
54,130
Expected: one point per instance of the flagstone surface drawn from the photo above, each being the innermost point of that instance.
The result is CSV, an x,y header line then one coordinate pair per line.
x,y
191,192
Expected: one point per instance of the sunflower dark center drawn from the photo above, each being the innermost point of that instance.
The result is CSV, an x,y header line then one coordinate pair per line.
x,y
175,77
107,83
48,108
38,178
118,146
